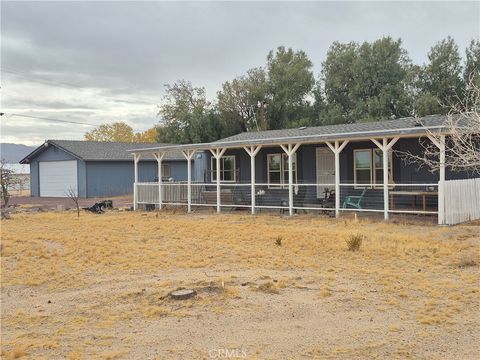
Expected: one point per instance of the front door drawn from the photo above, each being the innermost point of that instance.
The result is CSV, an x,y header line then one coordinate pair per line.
x,y
325,170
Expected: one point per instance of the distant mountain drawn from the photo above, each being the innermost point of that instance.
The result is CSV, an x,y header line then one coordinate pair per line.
x,y
13,153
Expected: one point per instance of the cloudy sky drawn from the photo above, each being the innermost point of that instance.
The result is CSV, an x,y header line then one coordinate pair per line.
x,y
96,62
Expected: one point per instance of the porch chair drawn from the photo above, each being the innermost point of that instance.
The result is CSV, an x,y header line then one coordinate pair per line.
x,y
354,200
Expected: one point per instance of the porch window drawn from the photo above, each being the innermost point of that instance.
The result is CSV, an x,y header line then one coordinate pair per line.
x,y
378,166
368,166
165,170
227,168
278,169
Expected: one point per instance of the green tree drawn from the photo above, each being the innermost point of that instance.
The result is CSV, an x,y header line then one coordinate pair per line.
x,y
290,81
187,116
238,101
441,81
366,82
472,63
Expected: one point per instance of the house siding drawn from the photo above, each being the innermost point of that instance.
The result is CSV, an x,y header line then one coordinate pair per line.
x,y
306,168
113,178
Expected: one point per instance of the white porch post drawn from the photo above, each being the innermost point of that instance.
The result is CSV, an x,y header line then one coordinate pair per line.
x,y
189,155
290,150
337,148
385,146
159,156
136,159
217,154
440,144
252,151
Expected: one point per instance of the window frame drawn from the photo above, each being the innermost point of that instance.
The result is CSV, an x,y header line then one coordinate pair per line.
x,y
373,168
166,171
283,184
222,169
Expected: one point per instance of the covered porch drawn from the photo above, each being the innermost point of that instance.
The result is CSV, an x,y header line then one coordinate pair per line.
x,y
330,175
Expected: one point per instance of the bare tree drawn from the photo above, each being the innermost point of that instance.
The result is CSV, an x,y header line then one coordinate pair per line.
x,y
462,143
72,193
7,180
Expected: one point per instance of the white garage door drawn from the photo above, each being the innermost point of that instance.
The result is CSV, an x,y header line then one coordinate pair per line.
x,y
57,177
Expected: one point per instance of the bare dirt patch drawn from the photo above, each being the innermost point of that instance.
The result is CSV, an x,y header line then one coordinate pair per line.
x,y
98,287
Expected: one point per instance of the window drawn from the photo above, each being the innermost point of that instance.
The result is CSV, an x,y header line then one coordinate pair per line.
x,y
278,169
165,170
368,166
227,169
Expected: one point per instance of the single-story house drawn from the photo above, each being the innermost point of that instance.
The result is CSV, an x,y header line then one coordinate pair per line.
x,y
95,169
344,167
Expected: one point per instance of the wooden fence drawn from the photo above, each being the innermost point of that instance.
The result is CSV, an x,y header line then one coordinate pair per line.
x,y
462,200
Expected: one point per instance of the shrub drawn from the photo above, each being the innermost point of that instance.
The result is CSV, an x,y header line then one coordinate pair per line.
x,y
278,240
354,242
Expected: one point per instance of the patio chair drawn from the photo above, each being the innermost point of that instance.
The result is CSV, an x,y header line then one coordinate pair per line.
x,y
354,200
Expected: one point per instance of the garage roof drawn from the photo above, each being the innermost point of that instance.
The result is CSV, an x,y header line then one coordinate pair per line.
x,y
99,150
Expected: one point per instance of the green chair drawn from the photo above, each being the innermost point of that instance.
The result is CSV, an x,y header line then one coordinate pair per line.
x,y
354,200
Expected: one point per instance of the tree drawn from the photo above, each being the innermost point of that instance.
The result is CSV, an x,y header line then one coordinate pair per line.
x,y
118,131
366,82
472,63
290,81
239,99
338,77
441,80
186,115
148,136
7,180
72,194
462,145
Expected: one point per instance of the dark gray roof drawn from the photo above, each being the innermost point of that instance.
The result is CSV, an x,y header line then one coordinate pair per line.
x,y
101,150
340,130
363,130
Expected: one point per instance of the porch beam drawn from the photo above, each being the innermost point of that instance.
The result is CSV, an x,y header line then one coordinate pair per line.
x,y
159,156
440,144
252,151
337,148
188,154
290,150
441,183
136,159
217,154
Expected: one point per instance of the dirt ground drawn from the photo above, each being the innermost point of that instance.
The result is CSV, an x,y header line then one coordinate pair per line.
x,y
53,202
268,287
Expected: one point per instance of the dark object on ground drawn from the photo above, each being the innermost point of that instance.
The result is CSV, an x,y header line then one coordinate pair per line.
x,y
98,208
149,207
182,294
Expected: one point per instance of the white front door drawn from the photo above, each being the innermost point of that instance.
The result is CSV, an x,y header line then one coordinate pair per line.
x,y
57,178
325,170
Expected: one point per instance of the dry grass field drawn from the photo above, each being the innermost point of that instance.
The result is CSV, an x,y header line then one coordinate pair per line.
x,y
268,287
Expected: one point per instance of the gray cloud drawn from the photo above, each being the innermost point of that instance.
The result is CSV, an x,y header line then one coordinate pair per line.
x,y
118,55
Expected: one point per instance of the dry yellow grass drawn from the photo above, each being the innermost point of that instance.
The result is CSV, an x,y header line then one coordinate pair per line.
x,y
113,261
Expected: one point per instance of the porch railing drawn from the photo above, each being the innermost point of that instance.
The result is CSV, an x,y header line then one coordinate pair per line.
x,y
413,198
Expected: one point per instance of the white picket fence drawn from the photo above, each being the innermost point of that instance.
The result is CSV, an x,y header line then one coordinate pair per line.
x,y
462,200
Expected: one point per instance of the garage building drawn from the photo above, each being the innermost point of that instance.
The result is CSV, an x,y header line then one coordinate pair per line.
x,y
95,169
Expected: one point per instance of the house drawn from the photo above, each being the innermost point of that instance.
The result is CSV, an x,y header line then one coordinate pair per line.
x,y
94,169
346,167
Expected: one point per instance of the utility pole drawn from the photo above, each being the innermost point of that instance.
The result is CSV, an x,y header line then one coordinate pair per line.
x,y
261,106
